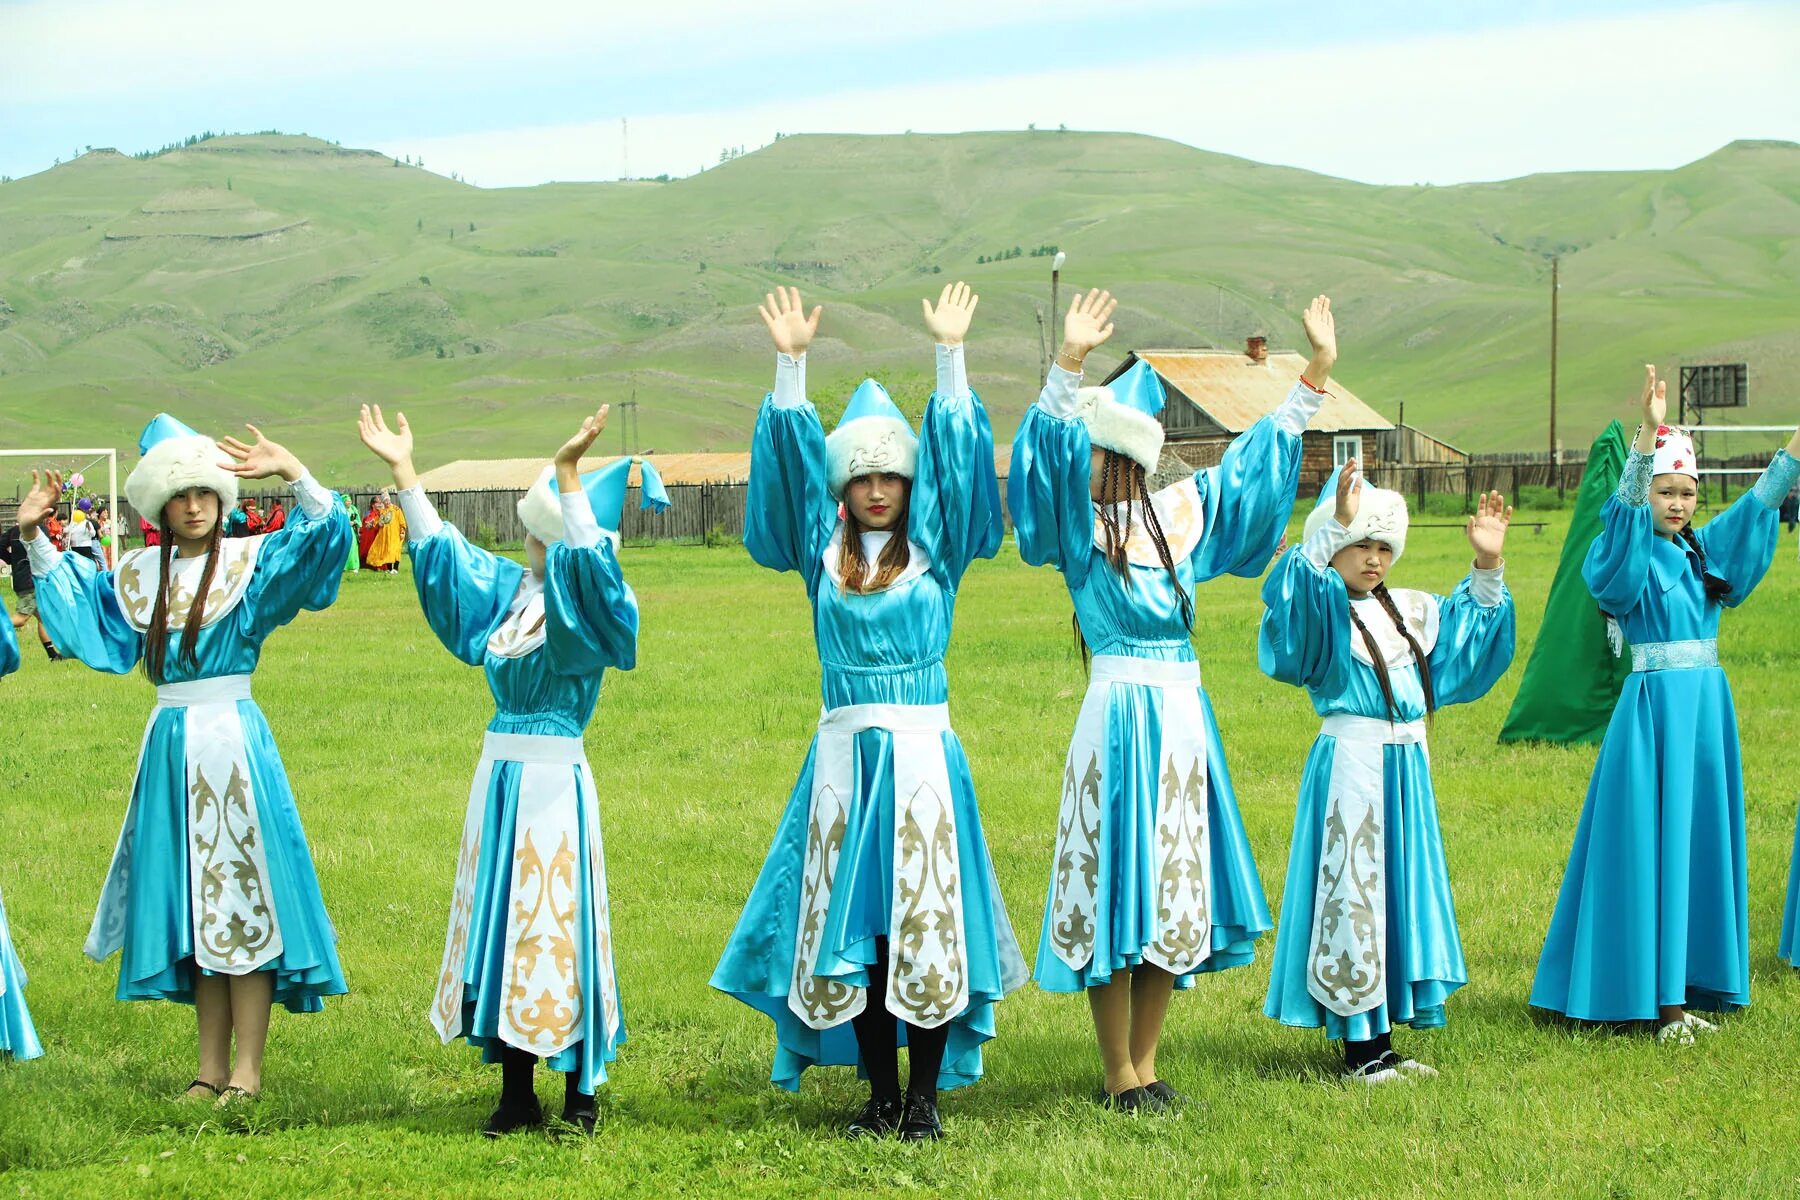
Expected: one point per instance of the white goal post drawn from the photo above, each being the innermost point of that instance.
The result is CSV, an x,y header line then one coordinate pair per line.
x,y
1700,429
90,455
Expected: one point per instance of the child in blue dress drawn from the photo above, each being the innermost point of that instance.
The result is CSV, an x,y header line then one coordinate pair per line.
x,y
211,898
531,872
1652,920
1368,934
876,920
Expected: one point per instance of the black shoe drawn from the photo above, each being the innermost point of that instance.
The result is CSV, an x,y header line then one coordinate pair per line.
x,y
1163,1097
1131,1100
510,1117
920,1123
878,1118
582,1113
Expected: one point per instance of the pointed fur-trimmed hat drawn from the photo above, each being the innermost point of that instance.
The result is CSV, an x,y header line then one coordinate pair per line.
x,y
1121,415
175,458
1382,516
540,509
1675,453
872,437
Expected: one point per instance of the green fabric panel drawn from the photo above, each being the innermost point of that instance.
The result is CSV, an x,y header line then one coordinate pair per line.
x,y
1573,679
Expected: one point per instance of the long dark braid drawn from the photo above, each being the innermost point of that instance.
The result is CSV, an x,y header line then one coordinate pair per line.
x,y
1716,588
156,638
1379,660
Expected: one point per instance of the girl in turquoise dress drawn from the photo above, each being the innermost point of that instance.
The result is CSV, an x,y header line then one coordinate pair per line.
x,y
18,1037
876,920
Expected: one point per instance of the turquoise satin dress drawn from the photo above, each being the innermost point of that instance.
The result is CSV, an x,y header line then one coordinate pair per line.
x,y
18,1037
881,648
1654,904
1243,507
1306,639
297,570
590,625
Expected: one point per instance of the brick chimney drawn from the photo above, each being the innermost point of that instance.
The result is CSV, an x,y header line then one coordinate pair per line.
x,y
1256,348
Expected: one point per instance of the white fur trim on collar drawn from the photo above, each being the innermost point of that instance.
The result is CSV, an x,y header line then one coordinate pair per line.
x,y
540,511
174,465
1119,427
1382,517
869,446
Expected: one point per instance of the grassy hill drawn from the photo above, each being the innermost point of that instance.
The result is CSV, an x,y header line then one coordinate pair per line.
x,y
284,279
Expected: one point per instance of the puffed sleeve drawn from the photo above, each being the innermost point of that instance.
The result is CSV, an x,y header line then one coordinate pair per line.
x,y
1740,542
1305,634
1047,482
9,644
299,566
956,514
463,590
1246,500
80,611
591,615
788,514
1476,633
1617,566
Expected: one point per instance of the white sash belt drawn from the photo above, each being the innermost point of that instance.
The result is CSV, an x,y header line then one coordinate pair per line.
x,y
235,925
1181,934
543,999
1347,968
928,973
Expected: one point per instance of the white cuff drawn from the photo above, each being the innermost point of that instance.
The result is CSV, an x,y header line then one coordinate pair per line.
x,y
790,380
43,554
314,500
1058,396
1297,411
1488,587
1325,542
422,520
580,530
952,377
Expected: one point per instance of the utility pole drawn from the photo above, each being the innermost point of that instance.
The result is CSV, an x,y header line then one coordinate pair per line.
x,y
1555,287
1043,351
624,148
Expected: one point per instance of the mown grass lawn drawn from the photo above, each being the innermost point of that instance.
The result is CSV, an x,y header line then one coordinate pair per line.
x,y
696,752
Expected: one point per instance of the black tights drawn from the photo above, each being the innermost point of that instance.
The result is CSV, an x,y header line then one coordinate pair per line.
x,y
878,1037
1357,1054
517,1069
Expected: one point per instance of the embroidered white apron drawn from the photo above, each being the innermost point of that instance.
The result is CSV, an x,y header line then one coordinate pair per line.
x,y
1183,847
928,970
1347,969
544,1001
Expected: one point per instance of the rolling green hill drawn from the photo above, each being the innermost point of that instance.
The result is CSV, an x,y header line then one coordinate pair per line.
x,y
284,279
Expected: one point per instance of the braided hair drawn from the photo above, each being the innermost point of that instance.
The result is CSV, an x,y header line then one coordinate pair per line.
x,y
1380,592
1118,471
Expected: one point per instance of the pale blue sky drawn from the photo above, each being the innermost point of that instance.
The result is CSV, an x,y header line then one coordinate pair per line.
x,y
533,90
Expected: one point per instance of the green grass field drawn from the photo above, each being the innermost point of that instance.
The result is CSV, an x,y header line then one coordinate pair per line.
x,y
696,751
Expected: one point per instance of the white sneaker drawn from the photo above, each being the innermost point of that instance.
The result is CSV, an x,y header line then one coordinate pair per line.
x,y
1374,1073
1412,1066
1675,1033
1699,1024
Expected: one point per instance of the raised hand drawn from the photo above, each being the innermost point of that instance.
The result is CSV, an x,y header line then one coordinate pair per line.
x,y
568,458
789,326
1655,405
263,460
39,502
1349,493
392,446
1486,530
949,321
1088,324
1321,335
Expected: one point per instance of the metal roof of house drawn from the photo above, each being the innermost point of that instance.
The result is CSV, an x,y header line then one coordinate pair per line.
x,y
1235,392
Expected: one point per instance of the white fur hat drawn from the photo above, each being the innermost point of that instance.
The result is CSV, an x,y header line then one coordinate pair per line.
x,y
1121,415
871,437
540,510
1675,453
1381,517
175,458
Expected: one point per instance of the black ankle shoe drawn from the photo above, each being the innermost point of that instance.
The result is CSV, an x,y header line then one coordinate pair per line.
x,y
510,1117
582,1113
1164,1098
1128,1101
920,1122
878,1118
